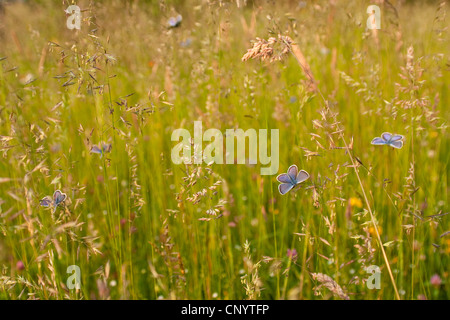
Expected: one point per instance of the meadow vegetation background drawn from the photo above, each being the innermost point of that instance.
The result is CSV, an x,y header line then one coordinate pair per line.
x,y
140,227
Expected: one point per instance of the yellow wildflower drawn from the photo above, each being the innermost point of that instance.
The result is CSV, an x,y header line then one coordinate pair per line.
x,y
372,231
356,202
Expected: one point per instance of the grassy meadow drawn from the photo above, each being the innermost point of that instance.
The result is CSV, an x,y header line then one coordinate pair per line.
x,y
139,226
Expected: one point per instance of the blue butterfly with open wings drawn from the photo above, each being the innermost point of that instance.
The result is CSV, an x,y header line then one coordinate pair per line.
x,y
58,198
291,179
101,149
393,140
175,21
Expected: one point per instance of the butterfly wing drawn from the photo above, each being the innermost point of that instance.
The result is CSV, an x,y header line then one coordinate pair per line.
x,y
186,43
396,137
96,149
396,144
285,187
46,201
378,141
302,176
58,197
292,172
386,136
106,147
175,21
284,178
172,22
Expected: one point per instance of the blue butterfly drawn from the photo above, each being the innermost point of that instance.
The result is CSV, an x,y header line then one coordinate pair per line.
x,y
186,43
105,148
46,201
58,198
291,179
389,139
175,21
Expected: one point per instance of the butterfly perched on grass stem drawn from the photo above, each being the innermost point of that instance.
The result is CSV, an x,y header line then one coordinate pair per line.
x,y
291,179
105,147
393,140
46,201
58,198
175,21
